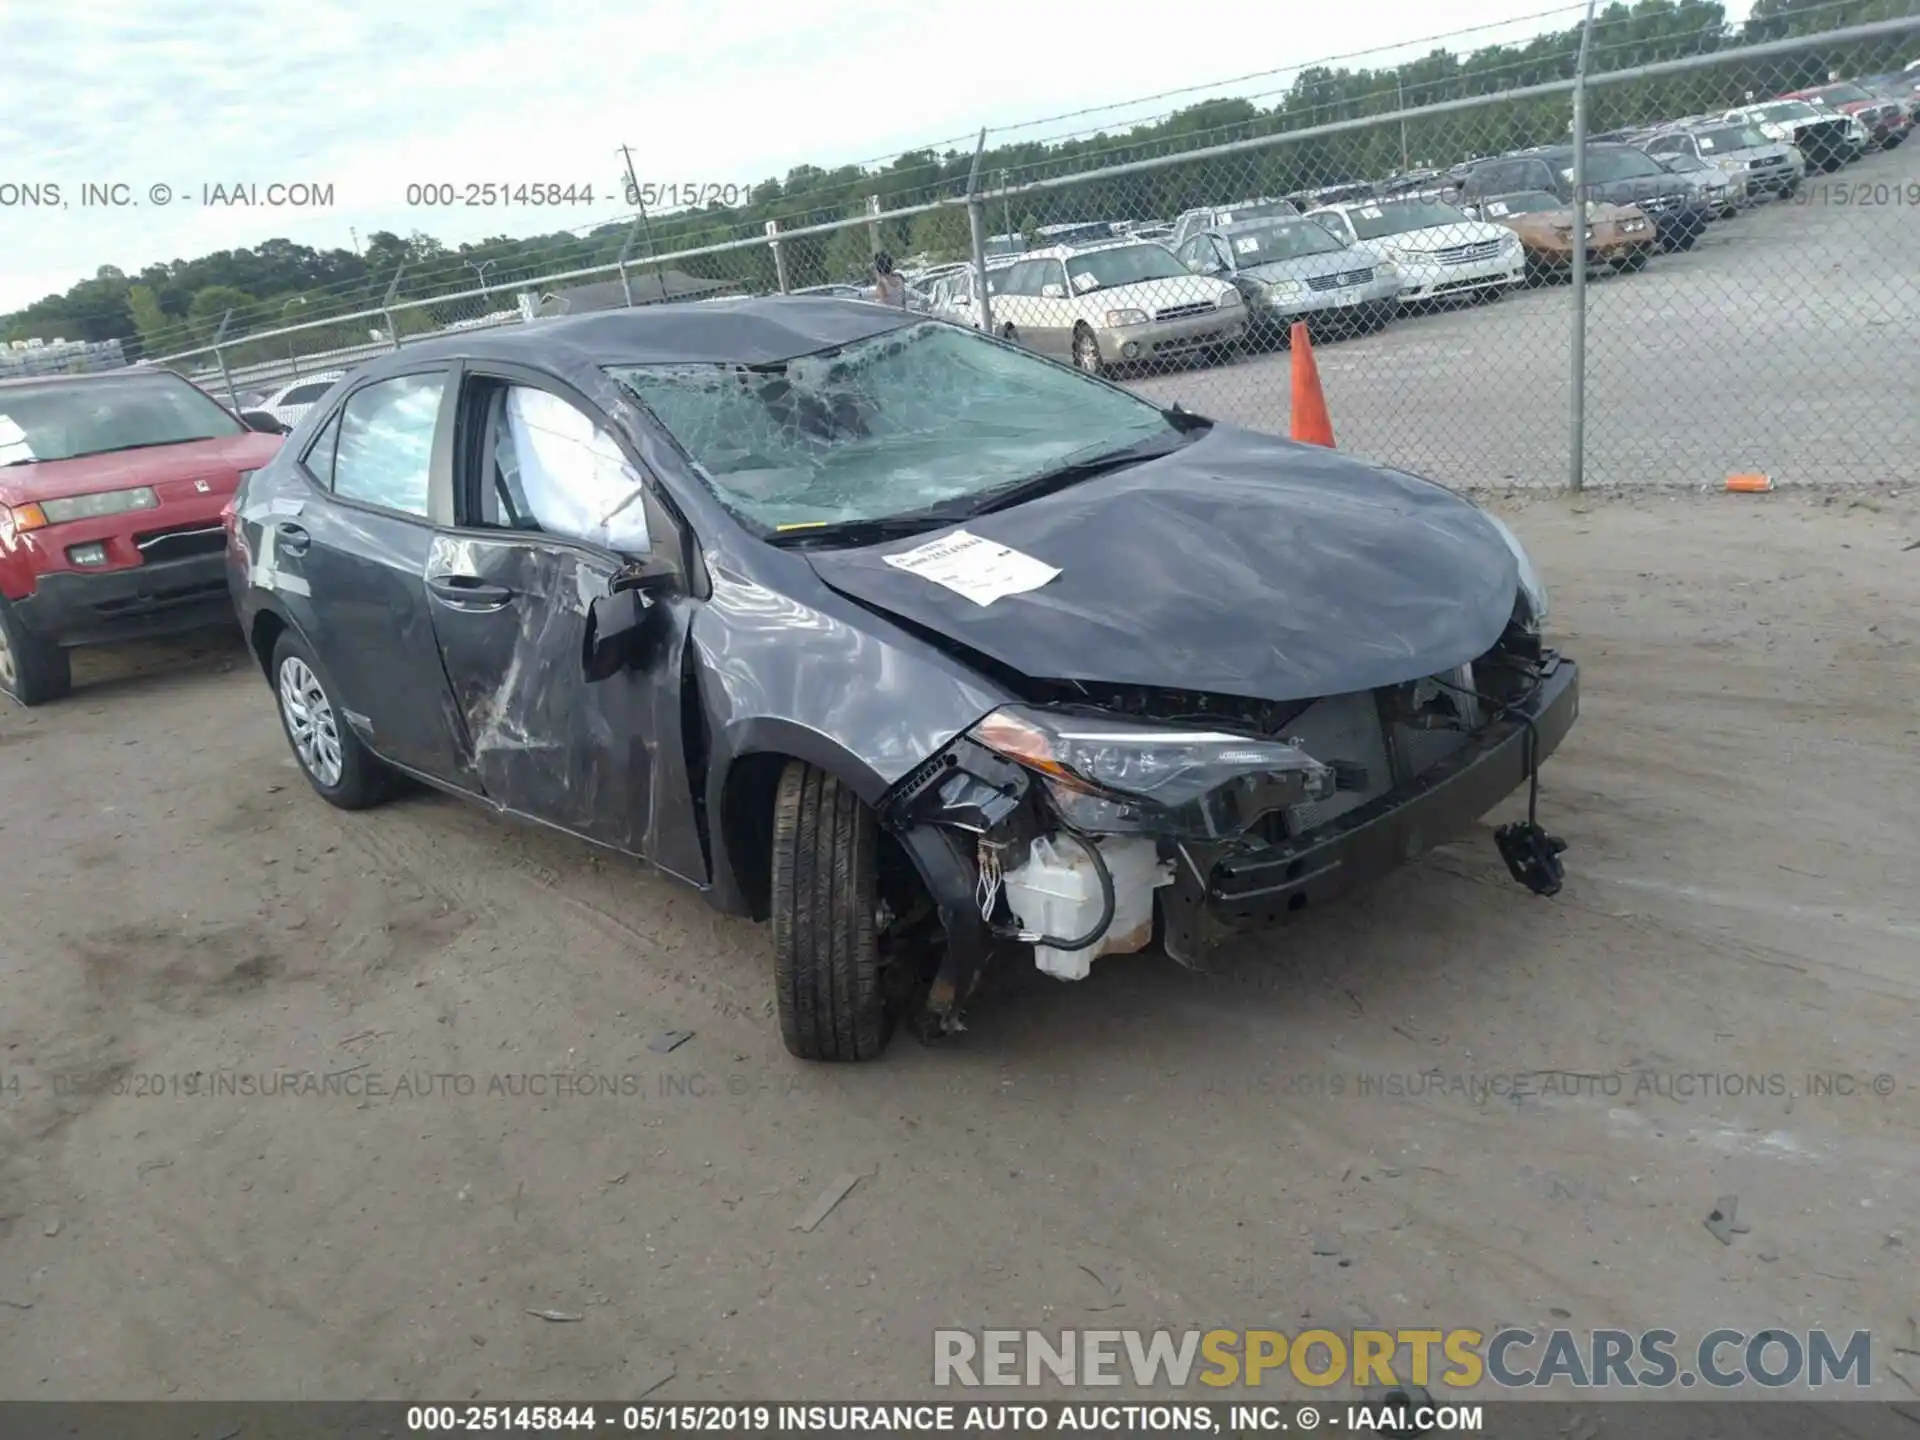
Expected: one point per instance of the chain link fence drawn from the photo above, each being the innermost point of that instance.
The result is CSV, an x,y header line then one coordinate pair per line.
x,y
1739,291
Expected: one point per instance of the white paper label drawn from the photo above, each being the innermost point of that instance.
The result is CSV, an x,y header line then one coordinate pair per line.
x,y
10,431
1498,207
1247,244
9,454
981,570
1374,212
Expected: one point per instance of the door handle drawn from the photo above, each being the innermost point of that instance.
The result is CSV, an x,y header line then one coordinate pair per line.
x,y
293,539
469,592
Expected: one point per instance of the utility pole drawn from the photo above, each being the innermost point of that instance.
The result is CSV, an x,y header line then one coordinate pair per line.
x,y
646,225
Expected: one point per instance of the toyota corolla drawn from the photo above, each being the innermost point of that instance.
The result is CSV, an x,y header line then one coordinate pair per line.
x,y
934,653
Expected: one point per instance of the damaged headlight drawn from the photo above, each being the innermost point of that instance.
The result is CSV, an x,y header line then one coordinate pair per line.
x,y
1531,585
1110,776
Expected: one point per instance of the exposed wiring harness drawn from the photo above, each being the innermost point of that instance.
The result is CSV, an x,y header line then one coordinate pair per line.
x,y
1532,855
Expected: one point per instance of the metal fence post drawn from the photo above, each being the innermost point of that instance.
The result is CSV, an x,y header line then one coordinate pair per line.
x,y
873,224
977,230
779,255
226,375
386,306
1577,430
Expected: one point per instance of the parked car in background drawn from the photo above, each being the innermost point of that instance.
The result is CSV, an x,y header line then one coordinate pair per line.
x,y
835,292
111,488
1077,232
294,399
1886,120
1292,268
931,654
1305,200
1002,245
1768,166
1620,236
1439,250
957,296
1212,217
1615,175
1901,86
1723,193
1826,140
1123,303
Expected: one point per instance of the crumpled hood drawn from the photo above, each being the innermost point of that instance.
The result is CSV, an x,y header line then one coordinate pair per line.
x,y
1239,565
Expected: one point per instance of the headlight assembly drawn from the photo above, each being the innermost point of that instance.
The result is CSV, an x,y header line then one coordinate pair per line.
x,y
1118,318
106,502
1530,583
1111,776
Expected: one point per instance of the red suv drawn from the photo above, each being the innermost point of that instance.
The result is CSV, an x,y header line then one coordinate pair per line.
x,y
111,491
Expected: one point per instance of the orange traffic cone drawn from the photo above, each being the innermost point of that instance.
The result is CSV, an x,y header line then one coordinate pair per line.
x,y
1310,423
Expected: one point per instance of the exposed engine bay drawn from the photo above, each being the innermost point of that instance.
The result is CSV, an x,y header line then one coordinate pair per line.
x,y
1095,821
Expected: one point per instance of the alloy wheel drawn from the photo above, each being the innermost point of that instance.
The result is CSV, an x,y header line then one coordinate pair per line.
x,y
310,721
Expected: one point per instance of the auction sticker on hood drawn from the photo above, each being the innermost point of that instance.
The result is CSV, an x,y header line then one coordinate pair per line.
x,y
981,570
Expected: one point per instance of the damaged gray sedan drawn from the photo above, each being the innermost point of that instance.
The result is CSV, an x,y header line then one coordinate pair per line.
x,y
933,653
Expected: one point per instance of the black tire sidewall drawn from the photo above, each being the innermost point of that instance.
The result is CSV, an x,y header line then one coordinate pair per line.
x,y
827,982
42,670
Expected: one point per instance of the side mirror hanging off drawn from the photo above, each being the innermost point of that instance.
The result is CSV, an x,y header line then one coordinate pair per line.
x,y
613,628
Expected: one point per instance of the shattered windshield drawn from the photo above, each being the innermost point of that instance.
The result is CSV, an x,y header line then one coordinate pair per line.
x,y
886,426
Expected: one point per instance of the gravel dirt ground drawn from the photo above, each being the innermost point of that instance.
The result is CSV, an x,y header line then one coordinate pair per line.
x,y
185,922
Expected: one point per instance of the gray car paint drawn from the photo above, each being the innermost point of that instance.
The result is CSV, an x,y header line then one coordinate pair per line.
x,y
753,653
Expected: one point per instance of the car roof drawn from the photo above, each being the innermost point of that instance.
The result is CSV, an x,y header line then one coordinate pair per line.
x,y
757,330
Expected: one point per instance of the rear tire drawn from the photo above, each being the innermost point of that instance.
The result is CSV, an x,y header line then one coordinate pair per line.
x,y
341,770
33,670
826,943
1637,260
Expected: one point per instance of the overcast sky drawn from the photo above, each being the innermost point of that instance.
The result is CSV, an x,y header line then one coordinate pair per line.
x,y
369,97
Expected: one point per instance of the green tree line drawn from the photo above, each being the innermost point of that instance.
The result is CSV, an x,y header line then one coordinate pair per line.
x,y
181,304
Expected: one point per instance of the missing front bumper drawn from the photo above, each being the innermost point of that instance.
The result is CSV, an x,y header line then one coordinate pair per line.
x,y
1218,895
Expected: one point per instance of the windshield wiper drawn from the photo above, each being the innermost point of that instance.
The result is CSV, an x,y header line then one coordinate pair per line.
x,y
858,532
1072,472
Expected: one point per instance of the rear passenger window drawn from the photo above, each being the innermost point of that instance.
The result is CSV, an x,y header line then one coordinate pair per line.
x,y
385,450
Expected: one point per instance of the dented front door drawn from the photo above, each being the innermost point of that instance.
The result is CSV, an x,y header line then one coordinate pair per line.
x,y
510,615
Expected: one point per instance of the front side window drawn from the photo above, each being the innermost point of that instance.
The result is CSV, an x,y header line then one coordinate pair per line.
x,y
891,425
67,418
385,453
554,469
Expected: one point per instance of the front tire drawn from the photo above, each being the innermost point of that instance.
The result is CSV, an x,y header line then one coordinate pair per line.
x,y
826,941
33,670
341,770
1086,353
